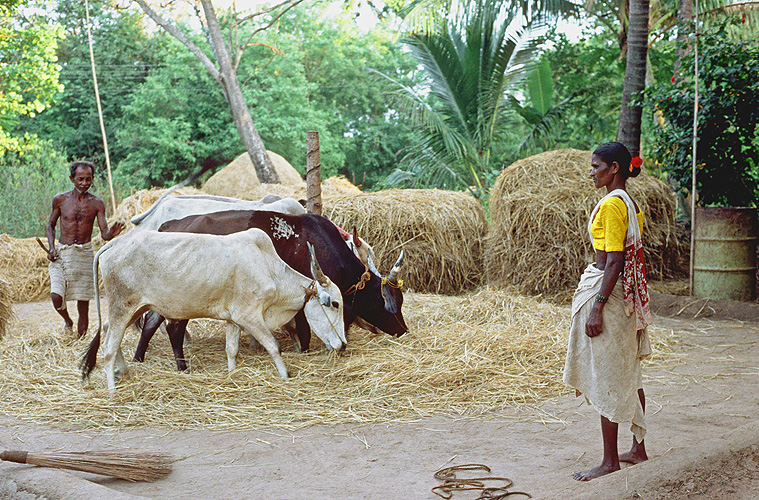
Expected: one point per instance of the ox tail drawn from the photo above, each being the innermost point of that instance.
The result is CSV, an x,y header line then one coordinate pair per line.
x,y
89,359
192,178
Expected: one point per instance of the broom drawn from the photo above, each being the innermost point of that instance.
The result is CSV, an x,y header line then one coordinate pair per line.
x,y
131,466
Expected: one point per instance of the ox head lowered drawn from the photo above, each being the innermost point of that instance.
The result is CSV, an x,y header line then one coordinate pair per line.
x,y
324,309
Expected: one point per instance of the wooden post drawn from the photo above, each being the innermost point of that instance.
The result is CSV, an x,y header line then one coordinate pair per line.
x,y
100,110
313,174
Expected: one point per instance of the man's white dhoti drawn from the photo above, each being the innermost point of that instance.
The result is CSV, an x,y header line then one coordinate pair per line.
x,y
71,276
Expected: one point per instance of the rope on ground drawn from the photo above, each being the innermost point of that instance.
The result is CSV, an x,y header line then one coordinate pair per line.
x,y
451,483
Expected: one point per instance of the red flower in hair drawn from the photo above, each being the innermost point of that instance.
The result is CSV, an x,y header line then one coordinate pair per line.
x,y
636,162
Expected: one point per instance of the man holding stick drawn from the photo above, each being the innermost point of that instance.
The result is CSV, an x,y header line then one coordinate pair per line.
x,y
70,268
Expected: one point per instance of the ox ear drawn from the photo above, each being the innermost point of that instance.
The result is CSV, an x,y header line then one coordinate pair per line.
x,y
356,239
396,267
316,271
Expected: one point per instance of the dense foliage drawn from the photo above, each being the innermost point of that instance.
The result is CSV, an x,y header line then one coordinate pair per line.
x,y
28,72
727,154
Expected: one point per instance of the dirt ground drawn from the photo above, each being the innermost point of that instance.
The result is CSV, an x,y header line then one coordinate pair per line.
x,y
703,439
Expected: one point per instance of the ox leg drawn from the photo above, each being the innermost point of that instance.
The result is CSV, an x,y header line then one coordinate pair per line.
x,y
114,333
151,321
302,331
176,331
233,345
267,340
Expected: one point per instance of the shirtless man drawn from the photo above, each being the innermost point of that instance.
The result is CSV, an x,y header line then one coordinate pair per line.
x,y
70,268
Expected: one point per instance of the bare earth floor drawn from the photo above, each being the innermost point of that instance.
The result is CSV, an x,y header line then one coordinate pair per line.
x,y
703,439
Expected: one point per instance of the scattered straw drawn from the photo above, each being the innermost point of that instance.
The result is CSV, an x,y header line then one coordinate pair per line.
x,y
539,210
441,233
463,355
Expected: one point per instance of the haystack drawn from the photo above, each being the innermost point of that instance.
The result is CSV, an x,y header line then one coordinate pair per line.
x,y
539,211
6,306
23,265
240,176
440,231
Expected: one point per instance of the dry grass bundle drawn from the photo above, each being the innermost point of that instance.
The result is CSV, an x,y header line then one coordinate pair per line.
x,y
539,211
441,233
129,465
240,176
463,355
338,186
6,306
23,265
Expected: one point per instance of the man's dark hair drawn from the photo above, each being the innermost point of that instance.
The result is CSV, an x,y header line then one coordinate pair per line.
x,y
81,163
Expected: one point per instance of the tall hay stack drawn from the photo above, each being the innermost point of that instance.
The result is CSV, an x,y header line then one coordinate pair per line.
x,y
6,306
240,176
440,231
539,212
23,265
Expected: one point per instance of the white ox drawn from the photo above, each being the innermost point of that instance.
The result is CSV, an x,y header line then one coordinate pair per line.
x,y
177,207
238,278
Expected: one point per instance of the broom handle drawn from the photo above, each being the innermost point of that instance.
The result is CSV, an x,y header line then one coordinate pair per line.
x,y
14,456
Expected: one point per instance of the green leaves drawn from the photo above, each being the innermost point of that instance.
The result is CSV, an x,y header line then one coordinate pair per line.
x,y
28,73
728,140
540,87
470,61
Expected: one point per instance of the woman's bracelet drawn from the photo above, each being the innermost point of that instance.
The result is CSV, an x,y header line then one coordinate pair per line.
x,y
601,299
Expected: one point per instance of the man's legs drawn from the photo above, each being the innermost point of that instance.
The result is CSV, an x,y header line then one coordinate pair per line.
x,y
60,308
83,306
610,462
637,453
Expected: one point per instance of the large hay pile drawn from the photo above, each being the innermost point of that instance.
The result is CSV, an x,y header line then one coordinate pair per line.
x,y
539,211
23,265
331,187
441,233
240,176
464,355
6,306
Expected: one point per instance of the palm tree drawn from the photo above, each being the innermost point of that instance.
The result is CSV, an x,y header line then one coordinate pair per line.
x,y
628,132
470,59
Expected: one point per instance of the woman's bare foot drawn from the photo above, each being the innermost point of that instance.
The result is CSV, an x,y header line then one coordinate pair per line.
x,y
634,456
595,472
637,453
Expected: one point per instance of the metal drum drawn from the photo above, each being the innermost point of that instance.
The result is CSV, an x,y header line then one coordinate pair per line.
x,y
724,257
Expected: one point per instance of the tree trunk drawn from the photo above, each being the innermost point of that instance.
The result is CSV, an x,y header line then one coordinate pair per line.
x,y
684,17
628,132
240,113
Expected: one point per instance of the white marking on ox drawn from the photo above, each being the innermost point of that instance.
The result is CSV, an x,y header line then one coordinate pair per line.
x,y
281,229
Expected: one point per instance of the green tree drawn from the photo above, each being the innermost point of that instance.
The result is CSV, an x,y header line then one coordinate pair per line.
x,y
124,56
29,72
728,135
224,64
340,65
470,61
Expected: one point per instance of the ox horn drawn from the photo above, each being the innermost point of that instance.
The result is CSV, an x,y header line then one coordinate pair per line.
x,y
316,271
356,240
396,267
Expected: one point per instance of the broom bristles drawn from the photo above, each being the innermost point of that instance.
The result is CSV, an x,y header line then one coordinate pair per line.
x,y
132,466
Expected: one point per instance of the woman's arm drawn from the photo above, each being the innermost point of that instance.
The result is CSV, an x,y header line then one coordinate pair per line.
x,y
615,263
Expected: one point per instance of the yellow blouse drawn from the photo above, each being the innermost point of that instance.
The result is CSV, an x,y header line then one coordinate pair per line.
x,y
609,227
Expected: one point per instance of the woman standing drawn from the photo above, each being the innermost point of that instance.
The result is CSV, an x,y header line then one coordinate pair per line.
x,y
610,312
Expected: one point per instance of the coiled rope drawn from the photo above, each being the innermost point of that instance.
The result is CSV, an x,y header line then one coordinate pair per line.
x,y
451,483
